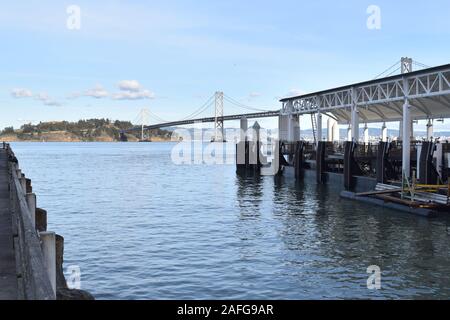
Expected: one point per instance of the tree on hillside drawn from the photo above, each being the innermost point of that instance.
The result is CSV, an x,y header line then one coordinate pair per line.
x,y
8,130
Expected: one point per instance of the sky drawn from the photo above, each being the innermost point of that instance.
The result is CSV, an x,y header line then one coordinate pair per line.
x,y
171,56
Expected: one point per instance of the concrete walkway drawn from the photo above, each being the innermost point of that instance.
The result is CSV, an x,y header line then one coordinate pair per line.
x,y
8,278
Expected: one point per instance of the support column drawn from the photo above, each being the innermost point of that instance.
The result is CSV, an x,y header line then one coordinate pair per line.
x,y
355,117
297,133
244,128
319,126
289,128
384,133
419,165
336,132
430,130
242,147
366,134
255,150
330,129
400,130
293,128
355,124
283,128
406,148
438,156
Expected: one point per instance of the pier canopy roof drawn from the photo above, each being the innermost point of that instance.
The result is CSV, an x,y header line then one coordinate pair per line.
x,y
381,100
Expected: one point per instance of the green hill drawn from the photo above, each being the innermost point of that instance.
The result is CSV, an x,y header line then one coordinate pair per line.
x,y
84,130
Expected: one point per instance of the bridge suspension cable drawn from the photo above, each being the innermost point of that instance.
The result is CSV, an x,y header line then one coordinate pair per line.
x,y
421,65
142,118
147,114
388,72
241,105
200,110
396,64
157,118
394,72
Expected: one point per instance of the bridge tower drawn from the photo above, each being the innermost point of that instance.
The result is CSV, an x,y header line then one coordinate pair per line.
x,y
218,121
143,119
406,65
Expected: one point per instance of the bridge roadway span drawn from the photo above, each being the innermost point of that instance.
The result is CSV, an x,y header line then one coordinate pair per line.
x,y
8,275
266,114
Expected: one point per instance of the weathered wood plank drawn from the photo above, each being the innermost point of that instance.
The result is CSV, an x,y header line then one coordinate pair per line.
x,y
8,275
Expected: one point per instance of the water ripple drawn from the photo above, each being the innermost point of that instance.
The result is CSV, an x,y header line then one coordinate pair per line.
x,y
142,228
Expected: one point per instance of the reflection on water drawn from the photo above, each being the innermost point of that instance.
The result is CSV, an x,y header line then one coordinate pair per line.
x,y
141,227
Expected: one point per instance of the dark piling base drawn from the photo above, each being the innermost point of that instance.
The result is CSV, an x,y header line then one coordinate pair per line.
x,y
62,291
72,294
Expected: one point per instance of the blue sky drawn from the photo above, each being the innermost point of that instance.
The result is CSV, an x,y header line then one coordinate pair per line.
x,y
171,56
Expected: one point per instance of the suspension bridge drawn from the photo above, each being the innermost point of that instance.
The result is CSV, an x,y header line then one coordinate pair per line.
x,y
215,102
339,109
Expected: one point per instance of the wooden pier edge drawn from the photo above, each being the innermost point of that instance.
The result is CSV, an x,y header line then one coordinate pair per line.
x,y
38,252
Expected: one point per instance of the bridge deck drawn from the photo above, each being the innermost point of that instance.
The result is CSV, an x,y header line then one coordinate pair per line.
x,y
8,277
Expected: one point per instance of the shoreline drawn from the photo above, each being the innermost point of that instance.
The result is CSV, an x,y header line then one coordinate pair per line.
x,y
87,142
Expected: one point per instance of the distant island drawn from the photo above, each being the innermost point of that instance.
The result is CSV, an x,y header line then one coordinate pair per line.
x,y
91,130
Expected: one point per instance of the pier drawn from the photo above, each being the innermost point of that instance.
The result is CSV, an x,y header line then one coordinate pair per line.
x,y
412,176
403,175
31,257
28,250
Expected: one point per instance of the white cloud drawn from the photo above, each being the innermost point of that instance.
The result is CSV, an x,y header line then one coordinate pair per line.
x,y
132,90
21,93
134,95
43,97
130,85
47,100
97,92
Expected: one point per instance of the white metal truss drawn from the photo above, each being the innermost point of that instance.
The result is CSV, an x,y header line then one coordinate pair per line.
x,y
428,92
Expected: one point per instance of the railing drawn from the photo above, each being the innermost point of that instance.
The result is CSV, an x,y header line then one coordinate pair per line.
x,y
35,251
